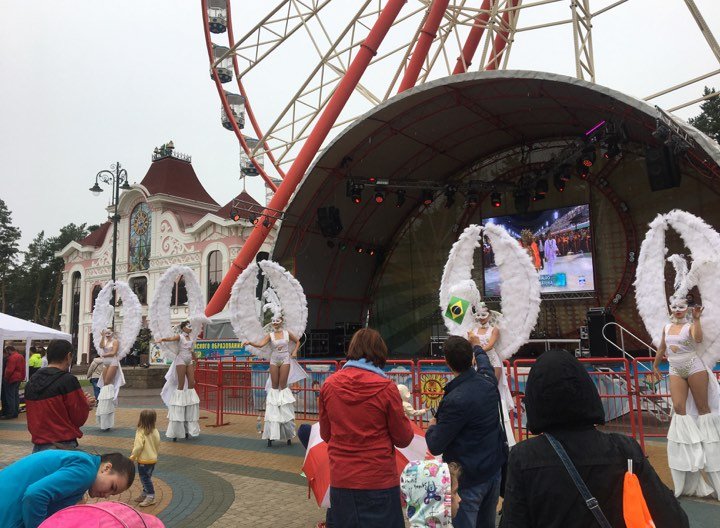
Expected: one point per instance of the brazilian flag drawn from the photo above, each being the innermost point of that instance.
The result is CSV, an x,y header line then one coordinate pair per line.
x,y
456,310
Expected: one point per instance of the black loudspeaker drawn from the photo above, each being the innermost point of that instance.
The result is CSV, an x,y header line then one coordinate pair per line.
x,y
597,318
329,221
662,167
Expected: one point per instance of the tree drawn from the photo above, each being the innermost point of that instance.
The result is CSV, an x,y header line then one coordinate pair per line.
x,y
709,119
9,236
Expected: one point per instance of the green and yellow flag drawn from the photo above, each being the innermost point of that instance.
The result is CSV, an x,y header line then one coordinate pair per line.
x,y
456,310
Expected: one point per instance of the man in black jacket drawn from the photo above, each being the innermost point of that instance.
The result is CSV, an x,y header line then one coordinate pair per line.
x,y
466,430
560,398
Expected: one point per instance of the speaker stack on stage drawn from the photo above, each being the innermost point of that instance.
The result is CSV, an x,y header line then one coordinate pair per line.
x,y
662,167
597,318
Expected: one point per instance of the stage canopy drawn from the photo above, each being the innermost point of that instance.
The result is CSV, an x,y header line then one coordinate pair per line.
x,y
486,126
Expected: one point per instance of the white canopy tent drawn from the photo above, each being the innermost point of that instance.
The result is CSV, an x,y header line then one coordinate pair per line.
x,y
14,329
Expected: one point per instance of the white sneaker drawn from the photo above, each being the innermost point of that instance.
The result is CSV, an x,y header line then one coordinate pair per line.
x,y
140,498
149,501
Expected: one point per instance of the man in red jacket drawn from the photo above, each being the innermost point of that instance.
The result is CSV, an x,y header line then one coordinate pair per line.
x,y
362,419
13,374
56,405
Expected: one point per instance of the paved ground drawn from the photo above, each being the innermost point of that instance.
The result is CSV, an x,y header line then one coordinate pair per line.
x,y
227,477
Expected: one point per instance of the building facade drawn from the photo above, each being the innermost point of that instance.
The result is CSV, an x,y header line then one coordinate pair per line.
x,y
166,219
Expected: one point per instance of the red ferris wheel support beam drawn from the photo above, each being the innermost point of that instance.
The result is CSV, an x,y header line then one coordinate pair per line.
x,y
422,46
501,42
473,39
294,176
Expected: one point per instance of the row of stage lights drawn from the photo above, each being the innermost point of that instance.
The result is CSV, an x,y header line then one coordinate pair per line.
x,y
609,148
253,218
342,246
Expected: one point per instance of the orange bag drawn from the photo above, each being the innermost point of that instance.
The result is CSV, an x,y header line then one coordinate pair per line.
x,y
635,510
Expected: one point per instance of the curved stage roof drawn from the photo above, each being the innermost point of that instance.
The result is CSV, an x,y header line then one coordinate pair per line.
x,y
437,132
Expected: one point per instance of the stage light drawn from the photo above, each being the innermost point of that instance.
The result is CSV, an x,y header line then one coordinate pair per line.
x,y
541,187
371,251
379,197
427,196
450,191
400,198
661,132
559,182
253,218
611,149
359,249
564,172
266,222
522,200
588,156
356,194
495,199
583,171
473,198
235,215
372,179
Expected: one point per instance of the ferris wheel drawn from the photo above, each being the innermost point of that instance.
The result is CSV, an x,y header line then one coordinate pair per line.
x,y
314,43
308,68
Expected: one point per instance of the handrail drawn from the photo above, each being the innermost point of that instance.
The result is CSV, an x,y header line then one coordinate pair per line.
x,y
621,348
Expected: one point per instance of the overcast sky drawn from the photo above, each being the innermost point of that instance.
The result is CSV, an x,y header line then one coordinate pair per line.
x,y
88,83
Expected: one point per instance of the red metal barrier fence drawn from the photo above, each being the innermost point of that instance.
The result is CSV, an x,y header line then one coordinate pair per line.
x,y
634,404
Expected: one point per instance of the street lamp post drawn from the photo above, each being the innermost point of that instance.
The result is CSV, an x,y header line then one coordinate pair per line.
x,y
117,178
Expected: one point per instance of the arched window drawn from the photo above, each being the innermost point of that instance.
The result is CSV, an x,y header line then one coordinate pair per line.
x,y
139,287
140,236
75,310
179,293
95,292
214,273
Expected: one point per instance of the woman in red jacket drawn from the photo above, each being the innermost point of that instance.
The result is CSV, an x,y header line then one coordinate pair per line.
x,y
362,419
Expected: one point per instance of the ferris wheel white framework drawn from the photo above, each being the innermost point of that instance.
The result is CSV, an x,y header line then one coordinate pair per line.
x,y
442,38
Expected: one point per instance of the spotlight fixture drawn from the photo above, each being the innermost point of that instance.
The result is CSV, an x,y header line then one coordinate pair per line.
x,y
661,132
379,197
356,193
372,179
583,170
611,149
371,251
472,198
450,191
266,222
359,249
495,199
427,196
522,200
541,187
400,198
235,215
564,172
588,156
559,182
253,218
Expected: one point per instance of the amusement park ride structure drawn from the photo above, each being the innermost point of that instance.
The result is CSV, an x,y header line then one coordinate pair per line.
x,y
424,40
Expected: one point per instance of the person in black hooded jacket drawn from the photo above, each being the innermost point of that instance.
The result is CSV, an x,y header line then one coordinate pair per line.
x,y
561,399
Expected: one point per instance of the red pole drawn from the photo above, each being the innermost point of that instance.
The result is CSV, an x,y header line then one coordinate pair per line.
x,y
422,46
500,39
344,89
473,39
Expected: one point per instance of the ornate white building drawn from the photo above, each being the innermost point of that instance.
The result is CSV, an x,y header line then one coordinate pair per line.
x,y
168,218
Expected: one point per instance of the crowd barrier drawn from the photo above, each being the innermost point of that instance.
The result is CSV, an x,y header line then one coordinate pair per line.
x,y
634,403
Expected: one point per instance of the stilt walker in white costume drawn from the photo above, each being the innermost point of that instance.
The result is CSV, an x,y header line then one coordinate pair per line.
x,y
277,342
500,334
179,393
113,348
689,338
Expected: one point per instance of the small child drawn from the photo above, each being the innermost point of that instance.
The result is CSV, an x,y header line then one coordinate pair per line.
x,y
426,490
145,452
406,396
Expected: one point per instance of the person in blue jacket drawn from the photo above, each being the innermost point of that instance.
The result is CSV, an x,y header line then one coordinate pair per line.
x,y
35,487
466,430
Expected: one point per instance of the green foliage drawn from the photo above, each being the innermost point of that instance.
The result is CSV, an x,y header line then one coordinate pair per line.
x,y
709,119
9,236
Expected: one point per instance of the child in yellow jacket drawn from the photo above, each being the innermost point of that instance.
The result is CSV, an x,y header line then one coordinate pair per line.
x,y
145,452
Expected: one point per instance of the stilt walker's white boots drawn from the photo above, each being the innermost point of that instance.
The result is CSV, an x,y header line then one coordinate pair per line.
x,y
105,411
176,415
686,457
192,412
709,426
279,415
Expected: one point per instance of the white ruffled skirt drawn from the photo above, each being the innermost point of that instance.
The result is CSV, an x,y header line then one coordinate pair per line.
x,y
694,445
279,415
183,406
107,401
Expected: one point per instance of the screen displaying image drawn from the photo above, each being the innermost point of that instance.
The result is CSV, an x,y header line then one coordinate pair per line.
x,y
559,244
